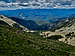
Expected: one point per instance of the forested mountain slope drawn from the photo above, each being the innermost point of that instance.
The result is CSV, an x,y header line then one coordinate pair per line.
x,y
14,42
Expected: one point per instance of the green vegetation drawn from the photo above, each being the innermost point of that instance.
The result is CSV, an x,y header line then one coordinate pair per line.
x,y
55,37
14,42
71,34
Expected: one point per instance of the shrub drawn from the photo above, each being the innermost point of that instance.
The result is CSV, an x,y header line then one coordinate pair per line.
x,y
55,37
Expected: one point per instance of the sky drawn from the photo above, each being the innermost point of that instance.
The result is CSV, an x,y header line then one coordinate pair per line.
x,y
38,3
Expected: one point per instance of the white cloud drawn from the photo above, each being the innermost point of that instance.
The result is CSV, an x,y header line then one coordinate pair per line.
x,y
41,3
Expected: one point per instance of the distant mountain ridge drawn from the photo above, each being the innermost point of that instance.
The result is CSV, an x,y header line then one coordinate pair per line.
x,y
30,24
52,25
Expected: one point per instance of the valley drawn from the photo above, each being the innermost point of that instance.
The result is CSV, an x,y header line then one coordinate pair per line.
x,y
14,41
37,27
27,34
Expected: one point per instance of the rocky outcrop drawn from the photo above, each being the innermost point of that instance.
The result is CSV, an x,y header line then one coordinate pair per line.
x,y
67,31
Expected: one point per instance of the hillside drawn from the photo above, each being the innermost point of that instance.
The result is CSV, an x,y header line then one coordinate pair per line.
x,y
12,23
30,24
14,42
66,29
69,24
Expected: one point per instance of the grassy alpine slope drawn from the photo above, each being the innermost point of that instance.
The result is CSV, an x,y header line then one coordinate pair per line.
x,y
14,42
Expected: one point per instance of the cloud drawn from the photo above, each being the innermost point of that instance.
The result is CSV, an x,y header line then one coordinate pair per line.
x,y
39,4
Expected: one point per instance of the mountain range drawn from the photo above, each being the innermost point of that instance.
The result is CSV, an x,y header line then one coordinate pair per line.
x,y
41,25
14,41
